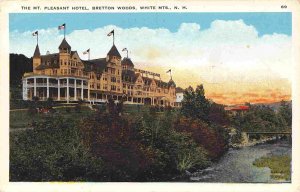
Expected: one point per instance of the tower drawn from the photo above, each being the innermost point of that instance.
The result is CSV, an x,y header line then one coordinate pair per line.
x,y
127,64
36,61
114,56
64,54
64,47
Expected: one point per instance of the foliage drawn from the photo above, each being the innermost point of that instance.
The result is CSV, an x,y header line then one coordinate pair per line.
x,y
18,65
112,139
218,115
280,166
52,151
175,151
213,138
78,106
194,103
285,111
204,120
263,118
151,145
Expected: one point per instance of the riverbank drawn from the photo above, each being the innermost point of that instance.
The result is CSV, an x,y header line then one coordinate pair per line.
x,y
255,142
279,165
236,166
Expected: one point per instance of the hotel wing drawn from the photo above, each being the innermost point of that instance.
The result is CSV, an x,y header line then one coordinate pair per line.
x,y
63,76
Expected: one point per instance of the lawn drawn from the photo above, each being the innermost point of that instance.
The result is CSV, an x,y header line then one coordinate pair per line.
x,y
23,119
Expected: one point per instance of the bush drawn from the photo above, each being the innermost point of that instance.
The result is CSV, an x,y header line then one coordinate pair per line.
x,y
213,138
176,151
68,109
53,151
112,139
77,108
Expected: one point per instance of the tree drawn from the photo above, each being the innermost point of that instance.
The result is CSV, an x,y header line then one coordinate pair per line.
x,y
218,115
286,112
18,64
195,104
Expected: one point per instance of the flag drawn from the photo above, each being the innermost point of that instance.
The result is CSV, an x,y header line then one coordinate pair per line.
x,y
62,26
35,33
125,49
111,33
169,71
86,52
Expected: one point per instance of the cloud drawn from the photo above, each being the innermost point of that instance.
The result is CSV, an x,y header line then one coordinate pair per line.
x,y
228,53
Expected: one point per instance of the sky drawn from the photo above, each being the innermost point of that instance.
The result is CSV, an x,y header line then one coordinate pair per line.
x,y
239,57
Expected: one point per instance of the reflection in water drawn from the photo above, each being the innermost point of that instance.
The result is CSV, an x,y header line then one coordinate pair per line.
x,y
236,165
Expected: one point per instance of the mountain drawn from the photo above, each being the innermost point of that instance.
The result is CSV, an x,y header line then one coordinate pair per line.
x,y
18,65
275,106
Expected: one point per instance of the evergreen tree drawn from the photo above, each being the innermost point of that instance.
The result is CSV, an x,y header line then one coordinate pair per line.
x,y
194,104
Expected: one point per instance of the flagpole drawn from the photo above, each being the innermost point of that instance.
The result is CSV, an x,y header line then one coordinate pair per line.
x,y
37,38
89,53
127,53
65,31
114,38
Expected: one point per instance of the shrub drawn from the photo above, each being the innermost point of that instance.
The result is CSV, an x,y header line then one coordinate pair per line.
x,y
112,139
68,109
213,138
52,151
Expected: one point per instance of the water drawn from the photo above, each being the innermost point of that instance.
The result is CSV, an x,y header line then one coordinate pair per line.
x,y
236,165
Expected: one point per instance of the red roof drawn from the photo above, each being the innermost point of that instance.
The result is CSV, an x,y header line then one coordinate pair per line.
x,y
237,108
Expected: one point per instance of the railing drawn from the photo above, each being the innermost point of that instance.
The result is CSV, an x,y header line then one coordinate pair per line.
x,y
52,75
62,85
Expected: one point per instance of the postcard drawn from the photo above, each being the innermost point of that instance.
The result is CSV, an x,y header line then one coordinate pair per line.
x,y
150,96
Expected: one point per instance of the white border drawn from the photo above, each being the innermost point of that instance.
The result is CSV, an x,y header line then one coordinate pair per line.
x,y
10,6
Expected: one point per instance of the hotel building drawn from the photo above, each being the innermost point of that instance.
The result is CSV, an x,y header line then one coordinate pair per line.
x,y
63,76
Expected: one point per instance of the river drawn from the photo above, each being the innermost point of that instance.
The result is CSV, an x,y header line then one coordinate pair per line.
x,y
236,165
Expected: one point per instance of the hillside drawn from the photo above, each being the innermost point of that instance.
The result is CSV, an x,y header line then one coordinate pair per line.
x,y
18,65
275,106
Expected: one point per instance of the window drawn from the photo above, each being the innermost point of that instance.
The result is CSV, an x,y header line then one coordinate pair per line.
x,y
113,88
98,76
113,71
113,79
